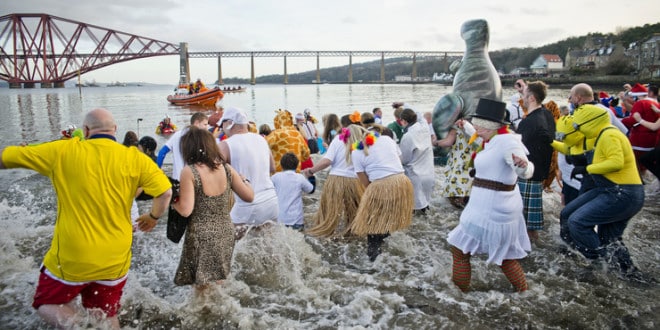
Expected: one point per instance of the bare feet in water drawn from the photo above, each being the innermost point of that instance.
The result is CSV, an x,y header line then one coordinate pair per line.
x,y
533,235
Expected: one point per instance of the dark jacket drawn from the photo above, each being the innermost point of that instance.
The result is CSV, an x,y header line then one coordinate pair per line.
x,y
538,131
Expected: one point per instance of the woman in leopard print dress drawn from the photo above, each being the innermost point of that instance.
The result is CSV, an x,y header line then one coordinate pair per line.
x,y
206,182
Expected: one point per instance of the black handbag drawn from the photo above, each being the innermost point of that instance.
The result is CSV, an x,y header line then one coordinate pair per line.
x,y
313,146
176,223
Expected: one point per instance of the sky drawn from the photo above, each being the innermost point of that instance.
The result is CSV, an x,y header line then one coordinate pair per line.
x,y
266,25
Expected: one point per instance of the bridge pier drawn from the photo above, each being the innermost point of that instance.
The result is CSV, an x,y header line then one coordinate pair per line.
x,y
46,85
220,82
382,67
29,85
413,76
184,66
253,80
318,68
350,68
59,84
14,85
286,75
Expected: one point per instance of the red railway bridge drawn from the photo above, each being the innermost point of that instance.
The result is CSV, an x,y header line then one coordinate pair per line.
x,y
50,50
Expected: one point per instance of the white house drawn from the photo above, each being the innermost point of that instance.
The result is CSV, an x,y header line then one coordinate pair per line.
x,y
547,63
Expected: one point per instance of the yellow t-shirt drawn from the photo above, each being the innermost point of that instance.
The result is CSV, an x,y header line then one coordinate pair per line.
x,y
95,181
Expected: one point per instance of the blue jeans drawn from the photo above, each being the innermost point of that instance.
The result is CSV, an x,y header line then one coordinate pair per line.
x,y
608,206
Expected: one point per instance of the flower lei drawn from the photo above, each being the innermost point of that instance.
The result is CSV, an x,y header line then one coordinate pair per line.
x,y
344,135
369,140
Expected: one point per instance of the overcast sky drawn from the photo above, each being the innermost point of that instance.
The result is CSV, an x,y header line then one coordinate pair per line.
x,y
240,25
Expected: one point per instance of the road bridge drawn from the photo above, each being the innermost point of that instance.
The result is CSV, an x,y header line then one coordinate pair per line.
x,y
446,56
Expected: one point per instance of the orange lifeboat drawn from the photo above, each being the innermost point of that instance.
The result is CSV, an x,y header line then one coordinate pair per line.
x,y
205,97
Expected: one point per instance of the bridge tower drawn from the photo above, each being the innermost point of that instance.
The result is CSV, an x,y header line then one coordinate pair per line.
x,y
184,65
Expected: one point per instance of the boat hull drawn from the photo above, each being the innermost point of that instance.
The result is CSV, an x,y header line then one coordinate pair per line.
x,y
205,98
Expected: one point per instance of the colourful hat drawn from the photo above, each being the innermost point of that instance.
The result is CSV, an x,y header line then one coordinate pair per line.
x,y
639,90
603,95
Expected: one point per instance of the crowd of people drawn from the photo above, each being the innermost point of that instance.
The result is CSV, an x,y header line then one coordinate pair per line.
x,y
232,178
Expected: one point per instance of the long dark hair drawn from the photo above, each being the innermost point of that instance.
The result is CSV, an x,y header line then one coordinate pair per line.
x,y
331,123
198,146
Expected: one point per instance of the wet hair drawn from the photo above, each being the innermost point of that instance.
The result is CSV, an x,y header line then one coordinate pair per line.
x,y
654,89
385,131
345,120
539,89
397,112
198,146
130,139
148,144
289,161
409,115
264,129
330,123
198,116
367,118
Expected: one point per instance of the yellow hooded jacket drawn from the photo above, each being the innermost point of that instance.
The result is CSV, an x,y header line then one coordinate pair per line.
x,y
613,154
574,140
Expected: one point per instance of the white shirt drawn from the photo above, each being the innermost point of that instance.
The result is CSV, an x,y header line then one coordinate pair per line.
x,y
289,186
516,112
383,159
417,151
250,156
336,154
174,144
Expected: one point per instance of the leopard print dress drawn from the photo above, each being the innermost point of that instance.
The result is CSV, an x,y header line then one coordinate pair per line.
x,y
209,239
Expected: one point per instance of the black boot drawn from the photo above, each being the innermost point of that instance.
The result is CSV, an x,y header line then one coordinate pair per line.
x,y
374,243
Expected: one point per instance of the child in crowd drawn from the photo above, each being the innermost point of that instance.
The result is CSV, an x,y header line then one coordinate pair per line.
x,y
289,186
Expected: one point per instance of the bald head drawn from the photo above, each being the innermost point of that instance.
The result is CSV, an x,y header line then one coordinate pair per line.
x,y
99,121
583,91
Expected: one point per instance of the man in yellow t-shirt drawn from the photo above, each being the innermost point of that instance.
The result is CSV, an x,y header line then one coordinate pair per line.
x,y
95,180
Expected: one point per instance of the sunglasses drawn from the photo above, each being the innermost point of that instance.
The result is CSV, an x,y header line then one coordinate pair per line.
x,y
561,136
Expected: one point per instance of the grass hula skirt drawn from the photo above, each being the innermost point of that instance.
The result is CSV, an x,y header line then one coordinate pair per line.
x,y
340,199
386,206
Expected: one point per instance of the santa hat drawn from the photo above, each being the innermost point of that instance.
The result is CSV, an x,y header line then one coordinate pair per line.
x,y
639,90
603,95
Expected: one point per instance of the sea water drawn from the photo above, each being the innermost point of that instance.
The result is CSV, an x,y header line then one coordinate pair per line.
x,y
283,279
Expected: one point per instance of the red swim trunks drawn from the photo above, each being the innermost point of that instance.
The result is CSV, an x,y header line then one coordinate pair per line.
x,y
104,295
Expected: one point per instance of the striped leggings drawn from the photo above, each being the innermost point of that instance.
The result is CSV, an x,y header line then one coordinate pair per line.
x,y
462,271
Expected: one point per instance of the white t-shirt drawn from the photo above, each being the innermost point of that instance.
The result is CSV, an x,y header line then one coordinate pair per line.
x,y
336,154
289,186
383,159
250,156
174,144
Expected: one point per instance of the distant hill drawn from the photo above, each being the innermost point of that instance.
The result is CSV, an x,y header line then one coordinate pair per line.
x,y
504,60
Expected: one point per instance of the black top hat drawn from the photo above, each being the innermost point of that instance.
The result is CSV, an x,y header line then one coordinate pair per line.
x,y
491,110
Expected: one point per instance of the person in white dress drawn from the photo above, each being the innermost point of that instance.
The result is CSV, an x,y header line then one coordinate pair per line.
x,y
492,222
417,159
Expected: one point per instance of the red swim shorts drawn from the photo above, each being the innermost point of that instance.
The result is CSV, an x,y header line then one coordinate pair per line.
x,y
104,295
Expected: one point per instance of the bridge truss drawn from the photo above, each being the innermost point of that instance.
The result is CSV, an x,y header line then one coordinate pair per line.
x,y
40,48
